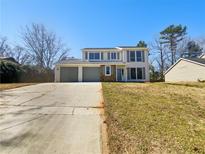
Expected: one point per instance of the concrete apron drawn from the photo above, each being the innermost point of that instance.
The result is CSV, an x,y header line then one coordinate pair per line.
x,y
51,118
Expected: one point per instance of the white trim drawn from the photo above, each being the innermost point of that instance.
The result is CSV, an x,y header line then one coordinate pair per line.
x,y
80,73
116,73
106,71
202,55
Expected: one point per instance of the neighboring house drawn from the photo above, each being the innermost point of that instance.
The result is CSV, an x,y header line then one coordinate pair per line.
x,y
124,63
202,56
11,59
192,69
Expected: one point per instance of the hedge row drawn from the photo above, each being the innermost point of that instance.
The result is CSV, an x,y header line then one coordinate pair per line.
x,y
11,72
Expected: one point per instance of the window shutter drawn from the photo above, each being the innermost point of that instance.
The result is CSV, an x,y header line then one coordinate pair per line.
x,y
128,55
102,58
118,55
86,55
143,56
143,73
108,55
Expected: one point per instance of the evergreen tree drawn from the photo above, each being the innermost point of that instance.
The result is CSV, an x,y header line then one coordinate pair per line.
x,y
171,36
192,50
141,44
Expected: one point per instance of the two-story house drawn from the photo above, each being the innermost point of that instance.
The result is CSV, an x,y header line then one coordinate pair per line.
x,y
123,63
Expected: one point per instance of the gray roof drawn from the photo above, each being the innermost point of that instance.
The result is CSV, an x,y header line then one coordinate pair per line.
x,y
128,47
97,48
198,60
112,48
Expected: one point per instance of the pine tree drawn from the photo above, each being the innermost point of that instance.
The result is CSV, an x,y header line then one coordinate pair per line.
x,y
171,36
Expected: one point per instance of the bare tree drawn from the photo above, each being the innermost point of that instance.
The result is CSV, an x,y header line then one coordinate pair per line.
x,y
161,55
182,47
20,55
5,49
43,46
201,42
17,52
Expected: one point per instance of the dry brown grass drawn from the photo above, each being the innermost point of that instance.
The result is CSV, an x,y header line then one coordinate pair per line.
x,y
6,86
155,117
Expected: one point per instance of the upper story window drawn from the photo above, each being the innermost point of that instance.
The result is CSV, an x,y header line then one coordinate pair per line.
x,y
113,55
132,56
135,56
102,55
94,56
140,56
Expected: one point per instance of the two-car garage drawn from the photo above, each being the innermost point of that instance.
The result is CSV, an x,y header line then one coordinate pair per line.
x,y
75,74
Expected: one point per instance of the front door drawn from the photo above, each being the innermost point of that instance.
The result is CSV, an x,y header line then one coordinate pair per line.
x,y
120,74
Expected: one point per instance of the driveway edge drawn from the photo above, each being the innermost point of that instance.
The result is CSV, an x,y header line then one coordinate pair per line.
x,y
104,134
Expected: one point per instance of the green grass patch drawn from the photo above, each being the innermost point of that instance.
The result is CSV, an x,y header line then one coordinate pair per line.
x,y
155,117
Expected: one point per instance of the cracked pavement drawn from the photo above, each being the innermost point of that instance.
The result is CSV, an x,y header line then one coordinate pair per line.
x,y
50,118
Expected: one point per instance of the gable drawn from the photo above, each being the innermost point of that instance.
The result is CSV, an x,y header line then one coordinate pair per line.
x,y
186,71
187,60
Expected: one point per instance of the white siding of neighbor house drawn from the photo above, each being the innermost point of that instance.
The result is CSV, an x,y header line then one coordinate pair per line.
x,y
185,71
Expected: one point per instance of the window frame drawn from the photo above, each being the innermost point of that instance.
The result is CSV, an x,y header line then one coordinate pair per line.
x,y
143,75
94,56
110,70
112,55
141,57
133,56
136,56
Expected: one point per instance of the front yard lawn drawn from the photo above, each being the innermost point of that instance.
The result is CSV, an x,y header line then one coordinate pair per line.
x,y
155,117
6,86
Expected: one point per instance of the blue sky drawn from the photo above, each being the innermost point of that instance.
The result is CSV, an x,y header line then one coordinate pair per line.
x,y
101,23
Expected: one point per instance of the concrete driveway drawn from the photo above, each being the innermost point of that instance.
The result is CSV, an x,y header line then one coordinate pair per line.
x,y
60,118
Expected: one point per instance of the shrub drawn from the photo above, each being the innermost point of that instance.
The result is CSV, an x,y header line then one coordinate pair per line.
x,y
36,74
9,71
